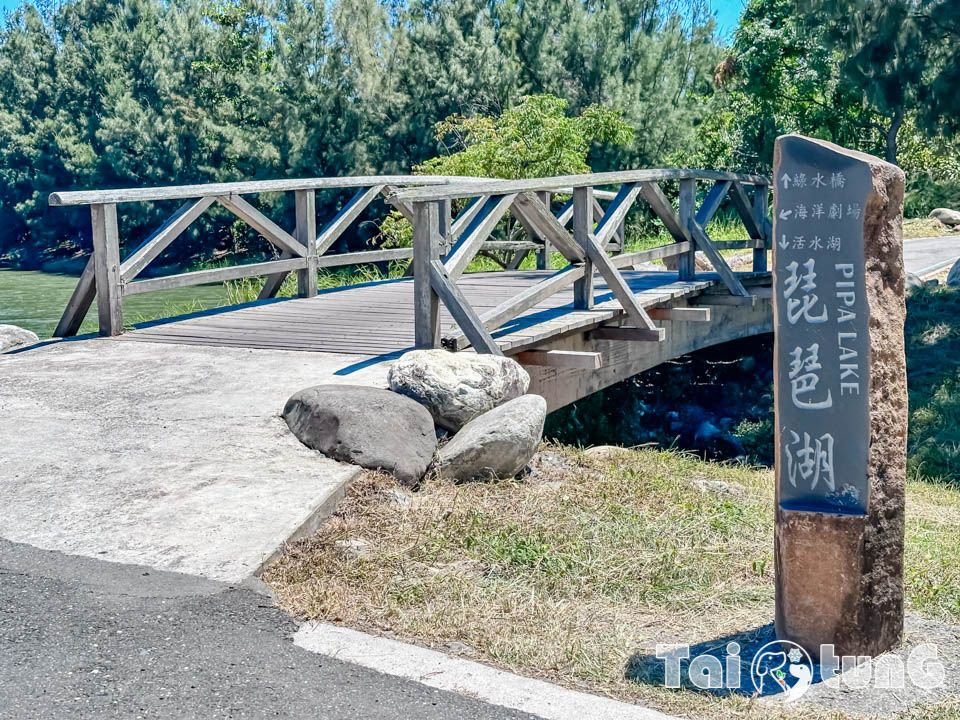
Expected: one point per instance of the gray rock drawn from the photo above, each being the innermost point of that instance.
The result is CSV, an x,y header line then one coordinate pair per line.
x,y
603,453
12,337
355,548
369,427
457,387
498,443
953,277
912,283
946,216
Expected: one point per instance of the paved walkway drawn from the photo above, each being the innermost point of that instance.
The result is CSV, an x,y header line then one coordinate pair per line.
x,y
924,256
170,456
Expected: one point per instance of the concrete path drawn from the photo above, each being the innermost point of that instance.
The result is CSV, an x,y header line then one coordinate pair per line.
x,y
83,638
924,256
170,456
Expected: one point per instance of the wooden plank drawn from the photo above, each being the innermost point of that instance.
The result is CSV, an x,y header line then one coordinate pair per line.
x,y
566,212
560,358
518,257
610,223
203,277
466,216
639,256
365,257
711,203
735,300
534,294
347,214
680,314
583,236
472,186
476,233
537,216
405,208
458,306
158,241
106,268
262,224
305,202
661,207
79,302
509,245
717,260
182,192
745,210
426,249
628,334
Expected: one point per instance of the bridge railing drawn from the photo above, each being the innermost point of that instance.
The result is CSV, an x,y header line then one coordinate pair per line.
x,y
301,250
443,248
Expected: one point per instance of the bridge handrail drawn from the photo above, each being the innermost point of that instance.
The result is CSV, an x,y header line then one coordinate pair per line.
x,y
184,192
463,188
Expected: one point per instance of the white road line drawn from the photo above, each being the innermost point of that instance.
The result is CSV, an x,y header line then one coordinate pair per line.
x,y
466,677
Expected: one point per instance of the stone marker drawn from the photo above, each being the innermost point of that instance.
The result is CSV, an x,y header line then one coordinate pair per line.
x,y
841,397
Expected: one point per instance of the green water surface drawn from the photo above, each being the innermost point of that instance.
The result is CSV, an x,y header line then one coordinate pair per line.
x,y
35,300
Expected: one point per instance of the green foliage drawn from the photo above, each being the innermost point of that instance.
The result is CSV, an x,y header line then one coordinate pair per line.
x,y
535,138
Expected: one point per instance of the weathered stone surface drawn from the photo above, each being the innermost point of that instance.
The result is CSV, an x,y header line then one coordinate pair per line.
x,y
457,387
369,427
12,337
946,216
499,443
953,277
839,573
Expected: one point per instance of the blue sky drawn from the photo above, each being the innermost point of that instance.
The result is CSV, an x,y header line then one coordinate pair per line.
x,y
728,12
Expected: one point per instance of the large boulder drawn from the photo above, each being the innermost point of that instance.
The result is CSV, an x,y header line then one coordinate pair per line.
x,y
953,277
369,427
946,216
912,283
12,337
498,443
457,387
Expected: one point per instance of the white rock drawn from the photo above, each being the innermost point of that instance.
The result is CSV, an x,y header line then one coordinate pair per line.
x,y
499,443
355,548
12,337
953,277
457,387
946,216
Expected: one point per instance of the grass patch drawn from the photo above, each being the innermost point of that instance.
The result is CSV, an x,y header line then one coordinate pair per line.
x,y
926,227
570,572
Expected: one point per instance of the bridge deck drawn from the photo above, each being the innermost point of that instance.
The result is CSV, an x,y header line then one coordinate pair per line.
x,y
377,318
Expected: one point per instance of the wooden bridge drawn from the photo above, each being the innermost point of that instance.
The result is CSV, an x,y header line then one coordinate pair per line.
x,y
593,320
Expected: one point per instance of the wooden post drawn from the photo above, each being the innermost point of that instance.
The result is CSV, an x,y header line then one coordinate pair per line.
x,y
446,222
760,216
543,255
582,233
687,262
426,249
306,233
106,267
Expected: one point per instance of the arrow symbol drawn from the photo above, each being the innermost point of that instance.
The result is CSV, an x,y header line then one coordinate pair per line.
x,y
785,214
785,179
783,243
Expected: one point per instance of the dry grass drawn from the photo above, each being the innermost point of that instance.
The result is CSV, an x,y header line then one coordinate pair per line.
x,y
570,572
927,227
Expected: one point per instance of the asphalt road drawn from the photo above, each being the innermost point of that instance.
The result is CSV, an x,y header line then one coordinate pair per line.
x,y
922,255
83,638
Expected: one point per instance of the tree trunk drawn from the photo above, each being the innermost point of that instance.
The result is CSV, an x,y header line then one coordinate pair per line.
x,y
891,136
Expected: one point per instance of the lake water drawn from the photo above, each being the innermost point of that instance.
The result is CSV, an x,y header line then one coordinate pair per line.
x,y
35,300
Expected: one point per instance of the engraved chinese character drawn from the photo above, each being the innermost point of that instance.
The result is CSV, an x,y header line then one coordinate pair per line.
x,y
836,211
853,210
837,180
804,378
801,212
798,242
810,462
833,243
800,180
802,307
818,181
817,211
816,243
